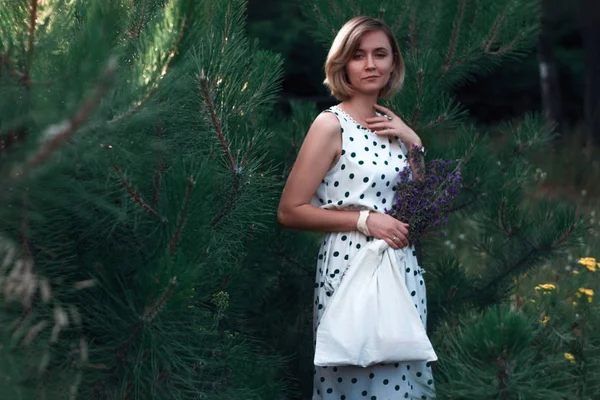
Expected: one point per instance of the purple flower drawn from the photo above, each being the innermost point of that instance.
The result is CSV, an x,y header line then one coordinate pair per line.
x,y
424,202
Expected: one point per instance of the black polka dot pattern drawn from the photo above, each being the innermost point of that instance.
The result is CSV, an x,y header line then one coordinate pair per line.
x,y
364,164
364,177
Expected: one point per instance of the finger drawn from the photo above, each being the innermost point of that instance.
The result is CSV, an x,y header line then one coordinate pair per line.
x,y
376,119
395,237
403,230
401,238
391,243
383,132
379,125
405,240
384,109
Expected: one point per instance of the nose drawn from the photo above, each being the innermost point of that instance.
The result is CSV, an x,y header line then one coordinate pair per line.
x,y
370,62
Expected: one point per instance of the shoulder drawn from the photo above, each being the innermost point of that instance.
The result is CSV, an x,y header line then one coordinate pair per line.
x,y
326,124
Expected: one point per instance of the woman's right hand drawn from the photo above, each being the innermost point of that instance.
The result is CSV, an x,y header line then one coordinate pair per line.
x,y
388,228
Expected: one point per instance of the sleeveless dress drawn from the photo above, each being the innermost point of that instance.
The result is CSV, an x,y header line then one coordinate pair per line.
x,y
363,178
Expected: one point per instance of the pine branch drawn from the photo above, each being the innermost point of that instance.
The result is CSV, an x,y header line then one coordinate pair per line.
x,y
11,69
512,269
168,64
215,120
138,199
151,312
225,281
475,196
284,255
58,134
230,201
247,153
491,38
158,171
455,34
182,217
20,76
26,277
416,112
413,31
227,22
24,232
437,121
323,21
508,47
138,30
355,10
147,317
503,218
502,376
400,20
10,138
336,8
499,278
564,237
487,250
30,41
209,15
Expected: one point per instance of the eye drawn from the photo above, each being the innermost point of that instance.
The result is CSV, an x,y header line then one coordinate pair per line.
x,y
357,56
380,55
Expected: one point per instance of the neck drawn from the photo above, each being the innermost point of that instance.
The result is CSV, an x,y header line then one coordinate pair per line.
x,y
361,107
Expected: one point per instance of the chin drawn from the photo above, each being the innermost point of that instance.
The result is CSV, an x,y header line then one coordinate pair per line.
x,y
371,90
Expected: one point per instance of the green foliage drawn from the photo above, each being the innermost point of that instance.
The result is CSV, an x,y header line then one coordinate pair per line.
x,y
140,166
497,230
491,356
133,141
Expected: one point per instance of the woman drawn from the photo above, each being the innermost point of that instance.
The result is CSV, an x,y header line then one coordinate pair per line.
x,y
341,183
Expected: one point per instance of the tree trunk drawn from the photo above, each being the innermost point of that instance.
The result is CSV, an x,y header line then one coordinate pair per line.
x,y
550,85
590,31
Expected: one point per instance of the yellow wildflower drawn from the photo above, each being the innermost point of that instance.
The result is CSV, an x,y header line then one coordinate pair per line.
x,y
589,262
574,303
570,357
545,286
588,292
545,319
575,272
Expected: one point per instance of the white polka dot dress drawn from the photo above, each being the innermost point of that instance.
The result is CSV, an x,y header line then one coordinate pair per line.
x,y
363,178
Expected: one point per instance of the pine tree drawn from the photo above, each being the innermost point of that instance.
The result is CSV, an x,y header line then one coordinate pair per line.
x,y
132,142
490,344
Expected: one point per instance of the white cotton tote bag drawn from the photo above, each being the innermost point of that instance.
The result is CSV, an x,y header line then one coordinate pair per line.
x,y
371,317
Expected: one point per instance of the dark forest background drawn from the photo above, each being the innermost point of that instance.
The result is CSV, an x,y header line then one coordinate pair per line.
x,y
142,160
561,78
509,91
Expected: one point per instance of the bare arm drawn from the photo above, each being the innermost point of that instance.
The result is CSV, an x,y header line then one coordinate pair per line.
x,y
320,150
321,147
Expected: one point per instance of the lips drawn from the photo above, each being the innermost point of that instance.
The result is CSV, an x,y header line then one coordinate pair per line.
x,y
371,77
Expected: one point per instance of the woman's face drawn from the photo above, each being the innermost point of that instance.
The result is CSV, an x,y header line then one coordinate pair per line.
x,y
370,67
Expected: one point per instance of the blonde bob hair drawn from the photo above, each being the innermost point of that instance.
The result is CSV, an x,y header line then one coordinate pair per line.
x,y
345,44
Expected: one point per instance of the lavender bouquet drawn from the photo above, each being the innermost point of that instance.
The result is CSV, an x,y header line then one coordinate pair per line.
x,y
425,193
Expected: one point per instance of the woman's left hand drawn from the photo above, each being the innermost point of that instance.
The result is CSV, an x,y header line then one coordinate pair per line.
x,y
393,127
